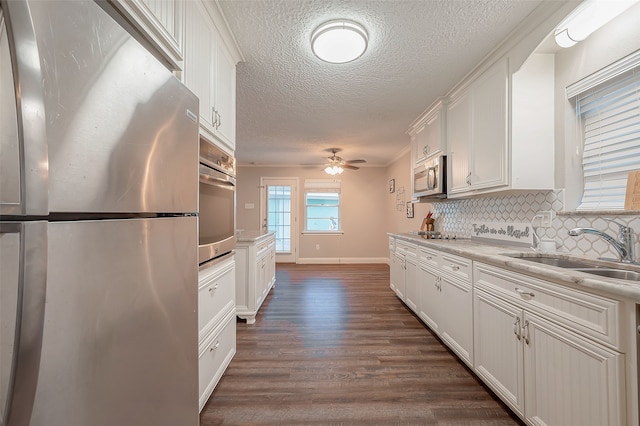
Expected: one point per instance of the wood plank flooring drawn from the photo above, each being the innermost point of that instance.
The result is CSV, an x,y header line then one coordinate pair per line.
x,y
332,344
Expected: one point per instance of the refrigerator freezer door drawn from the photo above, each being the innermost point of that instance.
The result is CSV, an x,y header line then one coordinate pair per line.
x,y
122,131
23,262
121,332
23,190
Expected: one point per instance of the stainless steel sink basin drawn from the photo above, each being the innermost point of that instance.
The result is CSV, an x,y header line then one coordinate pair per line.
x,y
620,274
595,268
559,262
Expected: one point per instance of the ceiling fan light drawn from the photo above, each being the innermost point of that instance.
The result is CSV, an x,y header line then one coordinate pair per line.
x,y
333,170
339,41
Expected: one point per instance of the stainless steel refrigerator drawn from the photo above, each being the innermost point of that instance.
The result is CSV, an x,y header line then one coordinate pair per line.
x,y
98,223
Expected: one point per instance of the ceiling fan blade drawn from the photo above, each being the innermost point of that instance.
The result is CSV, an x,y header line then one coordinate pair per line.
x,y
355,161
347,166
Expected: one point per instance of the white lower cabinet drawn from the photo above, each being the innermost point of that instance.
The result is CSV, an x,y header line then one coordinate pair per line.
x,y
216,323
547,370
215,354
404,273
445,300
256,274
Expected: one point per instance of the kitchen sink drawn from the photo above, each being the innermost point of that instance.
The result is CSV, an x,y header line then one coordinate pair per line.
x,y
585,266
620,274
557,261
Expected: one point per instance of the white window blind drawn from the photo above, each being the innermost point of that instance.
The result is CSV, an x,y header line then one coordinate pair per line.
x,y
610,117
322,185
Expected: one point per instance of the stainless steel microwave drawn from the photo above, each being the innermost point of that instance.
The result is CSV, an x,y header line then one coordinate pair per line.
x,y
216,203
429,178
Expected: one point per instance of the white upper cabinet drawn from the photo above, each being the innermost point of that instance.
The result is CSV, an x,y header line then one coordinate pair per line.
x,y
428,133
160,22
500,129
210,72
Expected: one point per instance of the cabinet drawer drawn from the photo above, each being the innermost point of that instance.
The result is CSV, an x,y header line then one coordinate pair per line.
x,y
216,293
429,257
588,314
215,354
456,266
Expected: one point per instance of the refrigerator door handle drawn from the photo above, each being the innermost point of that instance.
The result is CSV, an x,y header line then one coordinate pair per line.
x,y
23,291
32,143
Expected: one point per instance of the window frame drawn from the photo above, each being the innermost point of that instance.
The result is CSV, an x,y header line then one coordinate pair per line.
x,y
596,189
315,186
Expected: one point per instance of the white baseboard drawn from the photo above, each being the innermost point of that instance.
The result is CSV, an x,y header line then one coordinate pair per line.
x,y
341,260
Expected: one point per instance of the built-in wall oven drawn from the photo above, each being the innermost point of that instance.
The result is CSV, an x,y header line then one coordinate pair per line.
x,y
216,203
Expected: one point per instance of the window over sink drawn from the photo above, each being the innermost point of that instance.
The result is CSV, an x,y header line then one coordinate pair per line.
x,y
608,106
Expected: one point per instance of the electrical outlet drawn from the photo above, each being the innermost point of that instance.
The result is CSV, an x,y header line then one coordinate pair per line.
x,y
317,246
545,217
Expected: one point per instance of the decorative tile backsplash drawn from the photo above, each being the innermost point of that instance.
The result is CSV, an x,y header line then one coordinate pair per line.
x,y
456,217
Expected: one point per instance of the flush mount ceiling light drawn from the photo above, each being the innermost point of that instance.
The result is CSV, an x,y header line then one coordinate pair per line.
x,y
339,41
587,18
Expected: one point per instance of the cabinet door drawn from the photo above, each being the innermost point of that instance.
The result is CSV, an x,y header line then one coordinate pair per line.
x,y
498,348
225,95
420,144
199,67
397,274
160,22
459,143
429,297
570,380
457,325
411,282
489,110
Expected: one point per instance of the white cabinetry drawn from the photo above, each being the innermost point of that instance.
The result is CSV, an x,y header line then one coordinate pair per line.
x,y
216,323
550,352
256,260
403,270
210,72
160,23
500,129
445,299
428,133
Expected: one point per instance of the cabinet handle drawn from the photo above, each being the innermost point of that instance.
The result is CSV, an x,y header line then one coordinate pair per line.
x,y
525,294
455,267
526,336
425,149
214,346
213,116
469,179
516,328
215,287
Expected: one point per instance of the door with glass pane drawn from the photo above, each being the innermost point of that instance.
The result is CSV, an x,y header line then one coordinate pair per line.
x,y
278,213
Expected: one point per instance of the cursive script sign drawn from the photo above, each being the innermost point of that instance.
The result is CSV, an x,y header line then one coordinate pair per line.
x,y
503,231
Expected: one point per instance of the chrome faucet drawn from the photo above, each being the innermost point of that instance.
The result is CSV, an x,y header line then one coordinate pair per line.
x,y
624,244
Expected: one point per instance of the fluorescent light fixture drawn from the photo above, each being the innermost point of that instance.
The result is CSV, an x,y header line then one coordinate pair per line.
x,y
339,41
334,170
587,18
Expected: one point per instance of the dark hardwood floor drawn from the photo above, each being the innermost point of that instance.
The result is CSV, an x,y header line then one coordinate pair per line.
x,y
333,345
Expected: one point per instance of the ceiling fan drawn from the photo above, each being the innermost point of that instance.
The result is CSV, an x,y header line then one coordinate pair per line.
x,y
336,165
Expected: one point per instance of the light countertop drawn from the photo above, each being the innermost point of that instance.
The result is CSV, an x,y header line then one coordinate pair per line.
x,y
506,256
246,236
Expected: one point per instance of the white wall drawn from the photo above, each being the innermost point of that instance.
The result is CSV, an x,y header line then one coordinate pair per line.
x,y
364,217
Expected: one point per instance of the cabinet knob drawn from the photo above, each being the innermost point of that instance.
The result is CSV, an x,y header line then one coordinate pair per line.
x,y
455,267
214,346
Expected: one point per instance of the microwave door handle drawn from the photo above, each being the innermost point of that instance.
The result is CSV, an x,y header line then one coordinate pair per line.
x,y
30,276
31,121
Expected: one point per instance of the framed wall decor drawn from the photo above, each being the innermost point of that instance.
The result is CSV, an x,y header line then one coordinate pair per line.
x,y
409,209
392,186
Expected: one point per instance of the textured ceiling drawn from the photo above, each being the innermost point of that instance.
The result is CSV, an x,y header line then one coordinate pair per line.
x,y
291,106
